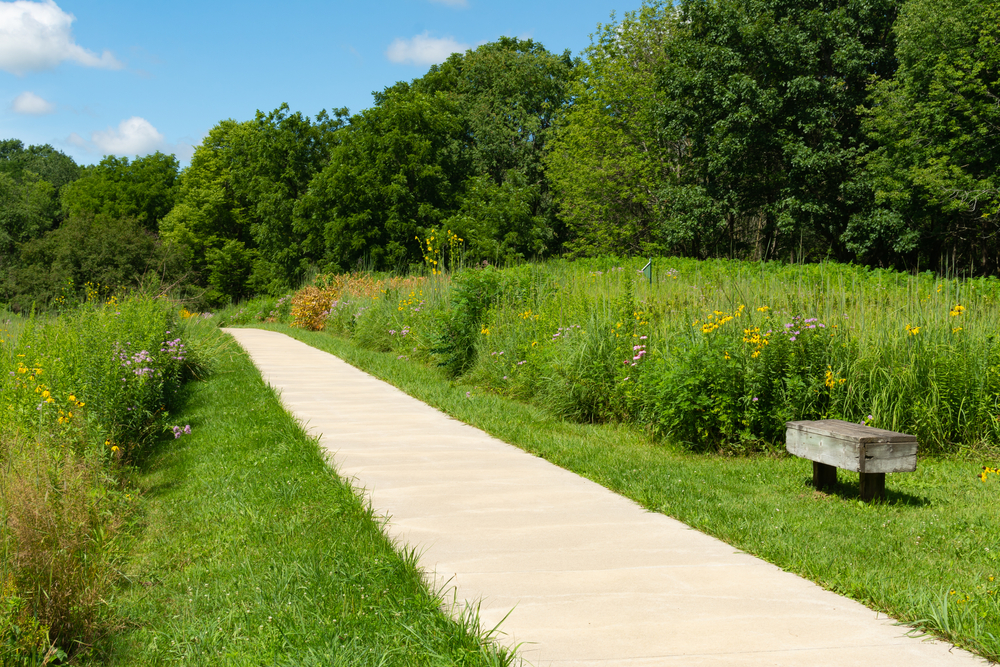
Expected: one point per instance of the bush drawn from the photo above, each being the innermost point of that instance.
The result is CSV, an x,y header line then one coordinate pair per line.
x,y
310,308
458,328
24,642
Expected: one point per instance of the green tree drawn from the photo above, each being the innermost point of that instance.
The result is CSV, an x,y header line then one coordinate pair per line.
x,y
609,160
40,162
394,172
27,209
143,189
509,93
936,171
272,160
229,271
723,127
459,148
30,179
235,215
207,215
114,253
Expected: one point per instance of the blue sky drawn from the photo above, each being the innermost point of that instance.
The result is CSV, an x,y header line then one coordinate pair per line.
x,y
130,78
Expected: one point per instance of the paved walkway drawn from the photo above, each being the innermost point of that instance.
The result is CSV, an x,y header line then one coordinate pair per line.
x,y
592,578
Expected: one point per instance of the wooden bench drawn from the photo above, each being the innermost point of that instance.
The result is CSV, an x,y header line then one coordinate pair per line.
x,y
871,452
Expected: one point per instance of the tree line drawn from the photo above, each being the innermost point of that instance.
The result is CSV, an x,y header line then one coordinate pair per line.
x,y
854,130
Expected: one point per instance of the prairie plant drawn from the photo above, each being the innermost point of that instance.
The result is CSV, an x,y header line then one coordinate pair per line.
x,y
716,354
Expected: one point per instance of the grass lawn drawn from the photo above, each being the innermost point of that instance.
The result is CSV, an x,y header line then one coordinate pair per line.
x,y
928,555
251,551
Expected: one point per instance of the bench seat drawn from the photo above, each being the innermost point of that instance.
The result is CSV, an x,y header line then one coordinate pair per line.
x,y
871,452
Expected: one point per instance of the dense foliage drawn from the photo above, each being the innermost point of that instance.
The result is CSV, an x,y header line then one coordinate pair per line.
x,y
753,129
83,394
736,124
30,181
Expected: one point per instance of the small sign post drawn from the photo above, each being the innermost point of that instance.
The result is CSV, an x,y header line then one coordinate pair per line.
x,y
648,270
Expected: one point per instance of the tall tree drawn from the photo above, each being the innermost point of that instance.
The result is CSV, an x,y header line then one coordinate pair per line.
x,y
42,162
936,171
143,189
755,139
206,210
30,179
272,160
609,160
235,216
27,210
458,149
393,173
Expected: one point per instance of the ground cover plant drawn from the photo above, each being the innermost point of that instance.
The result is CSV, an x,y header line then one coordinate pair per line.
x,y
664,382
254,551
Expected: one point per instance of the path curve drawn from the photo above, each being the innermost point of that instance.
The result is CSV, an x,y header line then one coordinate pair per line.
x,y
588,577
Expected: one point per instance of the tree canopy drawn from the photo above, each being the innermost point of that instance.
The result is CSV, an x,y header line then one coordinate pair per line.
x,y
143,189
30,180
725,127
458,149
761,129
935,168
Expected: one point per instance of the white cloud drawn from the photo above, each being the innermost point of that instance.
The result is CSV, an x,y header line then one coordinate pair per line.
x,y
29,104
78,141
183,150
36,36
134,136
423,49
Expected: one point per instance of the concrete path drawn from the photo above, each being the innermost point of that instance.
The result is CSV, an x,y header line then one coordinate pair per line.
x,y
592,578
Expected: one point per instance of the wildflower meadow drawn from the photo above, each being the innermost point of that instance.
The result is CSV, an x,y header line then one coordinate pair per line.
x,y
84,392
717,355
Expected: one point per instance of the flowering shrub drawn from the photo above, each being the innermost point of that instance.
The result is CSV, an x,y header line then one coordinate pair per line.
x,y
310,308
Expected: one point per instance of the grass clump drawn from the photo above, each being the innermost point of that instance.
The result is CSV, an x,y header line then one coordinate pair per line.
x,y
254,551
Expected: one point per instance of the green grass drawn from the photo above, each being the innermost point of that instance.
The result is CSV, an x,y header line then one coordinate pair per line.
x,y
928,555
251,551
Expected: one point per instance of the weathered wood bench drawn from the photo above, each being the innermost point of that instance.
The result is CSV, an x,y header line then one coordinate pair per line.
x,y
871,452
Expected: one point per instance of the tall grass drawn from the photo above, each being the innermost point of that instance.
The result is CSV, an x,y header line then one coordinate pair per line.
x,y
714,354
83,393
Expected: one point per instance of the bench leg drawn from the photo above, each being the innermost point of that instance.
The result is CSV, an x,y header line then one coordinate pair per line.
x,y
872,486
824,476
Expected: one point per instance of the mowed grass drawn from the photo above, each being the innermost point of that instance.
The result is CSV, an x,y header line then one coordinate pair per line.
x,y
929,555
253,552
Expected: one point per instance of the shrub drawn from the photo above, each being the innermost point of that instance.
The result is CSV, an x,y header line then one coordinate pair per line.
x,y
24,641
458,328
82,393
310,308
